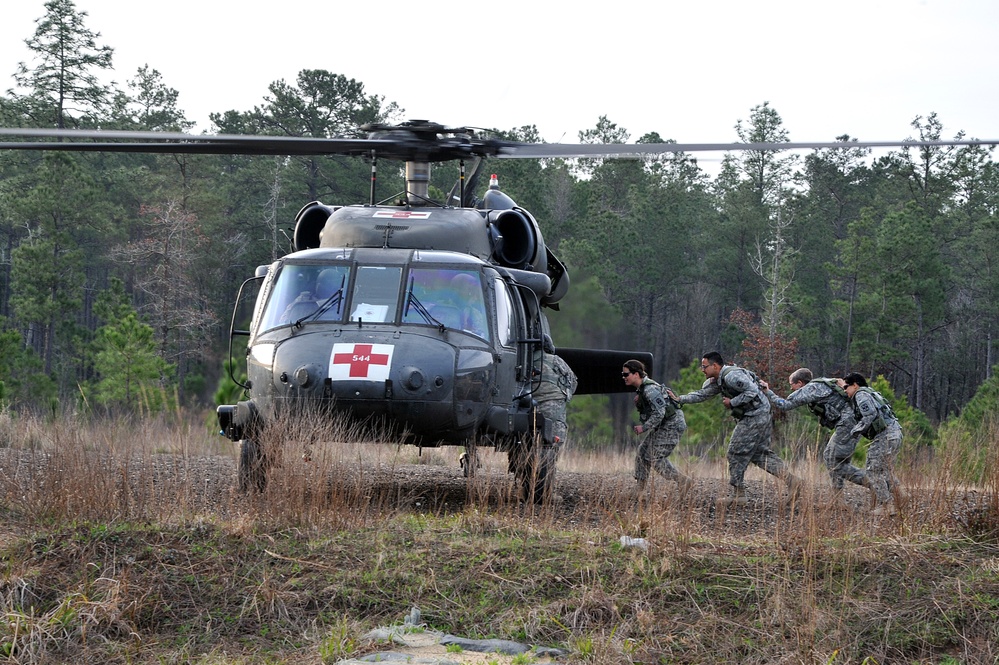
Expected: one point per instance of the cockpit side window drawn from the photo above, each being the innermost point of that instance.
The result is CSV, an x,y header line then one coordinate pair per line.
x,y
306,291
505,321
449,296
376,294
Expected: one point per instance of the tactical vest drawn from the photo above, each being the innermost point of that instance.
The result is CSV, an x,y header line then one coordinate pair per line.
x,y
567,381
737,411
885,414
558,375
644,404
827,413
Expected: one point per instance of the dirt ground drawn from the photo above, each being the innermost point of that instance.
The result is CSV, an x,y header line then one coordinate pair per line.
x,y
594,497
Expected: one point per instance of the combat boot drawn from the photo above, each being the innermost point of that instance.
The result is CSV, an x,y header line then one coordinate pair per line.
x,y
884,509
795,487
900,496
866,482
637,494
469,463
736,500
685,483
838,498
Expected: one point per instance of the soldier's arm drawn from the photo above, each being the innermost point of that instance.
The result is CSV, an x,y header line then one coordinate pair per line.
x,y
656,398
868,412
707,391
778,401
799,397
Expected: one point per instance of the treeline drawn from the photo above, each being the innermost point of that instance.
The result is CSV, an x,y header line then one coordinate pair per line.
x,y
119,270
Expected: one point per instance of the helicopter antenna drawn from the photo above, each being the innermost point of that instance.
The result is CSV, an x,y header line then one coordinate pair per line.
x,y
291,242
461,178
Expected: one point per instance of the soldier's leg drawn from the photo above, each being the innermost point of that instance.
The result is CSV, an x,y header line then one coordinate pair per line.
x,y
740,452
760,430
741,448
662,447
643,459
554,413
881,462
560,428
837,455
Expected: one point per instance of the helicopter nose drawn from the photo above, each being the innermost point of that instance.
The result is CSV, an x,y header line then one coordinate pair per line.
x,y
412,378
302,376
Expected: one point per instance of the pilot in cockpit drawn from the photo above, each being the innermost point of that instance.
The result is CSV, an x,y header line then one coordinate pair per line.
x,y
473,315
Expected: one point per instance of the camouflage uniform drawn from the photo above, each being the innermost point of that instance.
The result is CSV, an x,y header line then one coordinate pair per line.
x,y
877,422
750,441
835,412
663,431
557,384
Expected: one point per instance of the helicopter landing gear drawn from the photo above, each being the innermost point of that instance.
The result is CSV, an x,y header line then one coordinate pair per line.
x,y
469,461
252,471
533,466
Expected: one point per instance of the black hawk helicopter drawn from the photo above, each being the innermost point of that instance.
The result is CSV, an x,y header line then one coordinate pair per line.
x,y
424,315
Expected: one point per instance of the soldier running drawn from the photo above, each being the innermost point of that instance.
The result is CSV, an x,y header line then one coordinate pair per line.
x,y
829,402
750,440
662,422
877,422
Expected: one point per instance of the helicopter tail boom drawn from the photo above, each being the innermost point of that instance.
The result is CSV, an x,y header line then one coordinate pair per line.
x,y
599,371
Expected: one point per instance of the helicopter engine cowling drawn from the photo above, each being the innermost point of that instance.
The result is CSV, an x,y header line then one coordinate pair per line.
x,y
515,238
494,199
309,224
559,279
535,281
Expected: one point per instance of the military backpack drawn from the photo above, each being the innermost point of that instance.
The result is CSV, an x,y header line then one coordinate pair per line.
x,y
827,413
645,403
885,413
738,411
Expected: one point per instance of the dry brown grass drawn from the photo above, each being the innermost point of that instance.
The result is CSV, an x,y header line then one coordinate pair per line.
x,y
127,542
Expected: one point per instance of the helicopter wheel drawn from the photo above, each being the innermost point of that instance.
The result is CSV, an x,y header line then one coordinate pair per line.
x,y
252,471
534,471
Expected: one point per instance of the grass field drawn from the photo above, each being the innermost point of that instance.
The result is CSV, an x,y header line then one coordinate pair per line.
x,y
126,542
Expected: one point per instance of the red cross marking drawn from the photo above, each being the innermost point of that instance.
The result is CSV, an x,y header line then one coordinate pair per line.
x,y
360,359
402,214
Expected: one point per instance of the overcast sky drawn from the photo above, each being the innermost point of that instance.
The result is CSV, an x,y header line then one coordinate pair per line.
x,y
688,70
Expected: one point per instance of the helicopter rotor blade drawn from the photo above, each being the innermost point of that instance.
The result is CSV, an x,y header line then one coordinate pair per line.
x,y
401,144
409,142
77,140
566,151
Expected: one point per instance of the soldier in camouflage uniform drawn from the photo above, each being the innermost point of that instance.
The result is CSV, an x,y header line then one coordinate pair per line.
x,y
750,441
663,423
827,400
552,394
554,384
876,421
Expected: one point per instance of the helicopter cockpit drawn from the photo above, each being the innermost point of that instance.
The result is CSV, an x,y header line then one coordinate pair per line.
x,y
302,290
449,296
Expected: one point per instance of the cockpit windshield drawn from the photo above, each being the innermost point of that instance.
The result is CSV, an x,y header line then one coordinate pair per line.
x,y
449,297
446,296
306,291
376,293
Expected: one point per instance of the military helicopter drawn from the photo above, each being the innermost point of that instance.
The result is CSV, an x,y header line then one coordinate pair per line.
x,y
428,316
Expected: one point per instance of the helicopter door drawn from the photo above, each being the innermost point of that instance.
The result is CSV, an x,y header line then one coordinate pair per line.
x,y
509,329
506,321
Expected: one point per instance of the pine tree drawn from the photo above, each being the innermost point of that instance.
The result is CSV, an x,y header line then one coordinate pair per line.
x,y
63,70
